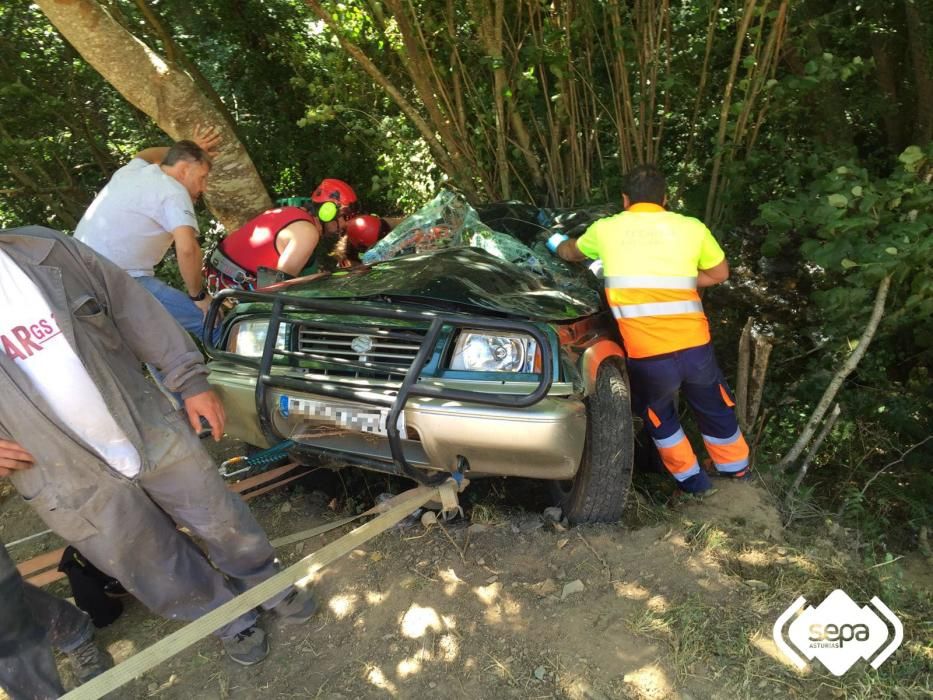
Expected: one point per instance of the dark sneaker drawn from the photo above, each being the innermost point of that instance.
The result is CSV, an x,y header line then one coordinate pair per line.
x,y
89,661
680,498
248,647
710,469
297,607
114,589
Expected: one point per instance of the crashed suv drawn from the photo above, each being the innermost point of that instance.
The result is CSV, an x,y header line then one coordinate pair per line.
x,y
460,348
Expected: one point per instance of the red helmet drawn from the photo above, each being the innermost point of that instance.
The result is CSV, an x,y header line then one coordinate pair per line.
x,y
336,191
363,231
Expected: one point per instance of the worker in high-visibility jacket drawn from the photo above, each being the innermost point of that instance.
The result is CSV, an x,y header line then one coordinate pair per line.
x,y
653,262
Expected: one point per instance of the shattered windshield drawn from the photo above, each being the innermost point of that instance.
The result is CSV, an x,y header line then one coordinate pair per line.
x,y
511,231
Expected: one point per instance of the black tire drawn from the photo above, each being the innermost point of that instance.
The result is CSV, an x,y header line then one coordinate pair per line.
x,y
598,492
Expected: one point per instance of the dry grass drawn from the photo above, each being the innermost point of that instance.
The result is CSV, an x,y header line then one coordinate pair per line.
x,y
720,638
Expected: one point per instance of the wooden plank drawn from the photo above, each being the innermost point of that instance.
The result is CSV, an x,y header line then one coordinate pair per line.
x,y
401,506
264,489
259,479
46,577
43,561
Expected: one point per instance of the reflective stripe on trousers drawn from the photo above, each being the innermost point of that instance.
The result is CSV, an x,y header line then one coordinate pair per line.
x,y
677,455
729,454
656,383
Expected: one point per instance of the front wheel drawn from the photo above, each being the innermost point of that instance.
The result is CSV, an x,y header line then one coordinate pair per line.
x,y
598,491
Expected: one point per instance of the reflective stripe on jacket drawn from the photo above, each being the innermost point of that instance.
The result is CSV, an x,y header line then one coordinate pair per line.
x,y
650,260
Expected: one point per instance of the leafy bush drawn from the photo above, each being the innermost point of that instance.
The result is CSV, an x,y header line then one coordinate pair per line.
x,y
849,229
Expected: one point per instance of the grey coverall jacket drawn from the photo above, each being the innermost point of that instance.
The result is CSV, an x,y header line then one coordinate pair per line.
x,y
127,527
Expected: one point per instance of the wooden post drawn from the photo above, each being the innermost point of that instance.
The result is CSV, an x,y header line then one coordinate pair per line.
x,y
741,379
756,388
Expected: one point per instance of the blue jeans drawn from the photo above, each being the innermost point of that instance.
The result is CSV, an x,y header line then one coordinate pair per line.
x,y
179,305
183,310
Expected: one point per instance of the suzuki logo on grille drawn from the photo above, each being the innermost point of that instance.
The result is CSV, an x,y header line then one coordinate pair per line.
x,y
362,344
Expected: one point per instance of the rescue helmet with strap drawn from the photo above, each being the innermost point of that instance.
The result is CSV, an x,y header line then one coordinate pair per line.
x,y
363,231
334,198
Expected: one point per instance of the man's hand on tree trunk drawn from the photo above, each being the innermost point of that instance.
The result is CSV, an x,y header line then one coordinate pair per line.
x,y
208,138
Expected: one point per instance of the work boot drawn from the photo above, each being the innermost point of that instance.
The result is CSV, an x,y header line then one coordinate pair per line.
x,y
681,498
710,468
248,647
89,661
297,607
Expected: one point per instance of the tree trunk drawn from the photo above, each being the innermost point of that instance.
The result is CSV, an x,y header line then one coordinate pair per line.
x,y
713,195
741,379
887,73
168,95
918,40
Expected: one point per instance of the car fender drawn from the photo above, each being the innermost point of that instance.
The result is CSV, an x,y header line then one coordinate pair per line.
x,y
593,357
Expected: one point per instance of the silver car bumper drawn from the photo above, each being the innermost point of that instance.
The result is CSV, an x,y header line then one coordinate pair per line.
x,y
544,441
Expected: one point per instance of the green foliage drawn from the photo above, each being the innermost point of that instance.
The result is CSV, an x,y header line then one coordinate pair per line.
x,y
844,230
854,229
62,128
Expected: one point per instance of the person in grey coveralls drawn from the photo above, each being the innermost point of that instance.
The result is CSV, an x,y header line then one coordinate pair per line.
x,y
127,524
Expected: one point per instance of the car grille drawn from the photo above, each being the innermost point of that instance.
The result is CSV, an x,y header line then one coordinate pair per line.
x,y
390,350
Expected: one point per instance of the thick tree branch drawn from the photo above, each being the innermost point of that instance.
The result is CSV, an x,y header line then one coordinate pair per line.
x,y
167,95
834,385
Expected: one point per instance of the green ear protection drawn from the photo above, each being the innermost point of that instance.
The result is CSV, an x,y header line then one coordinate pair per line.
x,y
327,211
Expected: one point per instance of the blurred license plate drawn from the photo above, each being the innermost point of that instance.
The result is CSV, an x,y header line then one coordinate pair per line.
x,y
358,419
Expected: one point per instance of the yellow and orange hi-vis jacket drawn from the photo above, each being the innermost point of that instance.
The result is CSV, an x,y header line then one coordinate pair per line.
x,y
650,260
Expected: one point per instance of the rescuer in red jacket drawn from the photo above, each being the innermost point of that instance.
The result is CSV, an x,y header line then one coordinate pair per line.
x,y
283,239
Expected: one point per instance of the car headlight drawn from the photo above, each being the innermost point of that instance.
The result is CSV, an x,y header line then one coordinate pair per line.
x,y
480,351
248,338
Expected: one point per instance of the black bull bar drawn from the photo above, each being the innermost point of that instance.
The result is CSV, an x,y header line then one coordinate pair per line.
x,y
283,304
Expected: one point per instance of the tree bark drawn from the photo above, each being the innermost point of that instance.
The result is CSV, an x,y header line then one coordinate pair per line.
x,y
756,389
918,40
166,94
887,73
489,25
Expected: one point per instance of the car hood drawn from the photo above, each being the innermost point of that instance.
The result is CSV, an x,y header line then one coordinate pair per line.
x,y
463,278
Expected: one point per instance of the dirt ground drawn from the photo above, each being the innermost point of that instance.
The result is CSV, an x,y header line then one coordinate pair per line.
x,y
676,602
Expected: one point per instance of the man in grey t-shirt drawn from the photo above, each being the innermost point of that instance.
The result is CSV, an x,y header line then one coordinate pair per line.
x,y
146,207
